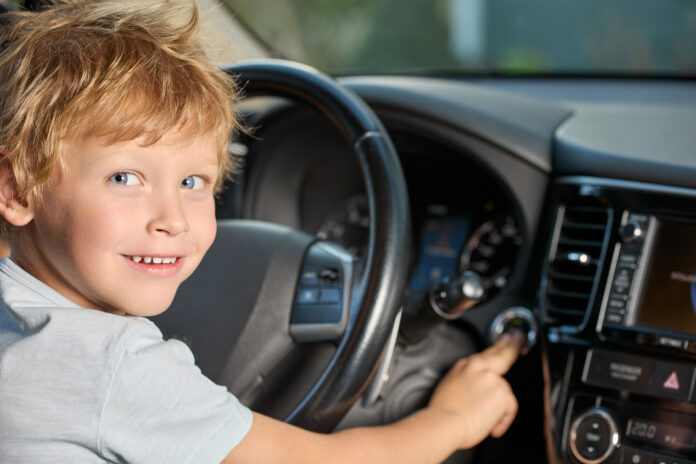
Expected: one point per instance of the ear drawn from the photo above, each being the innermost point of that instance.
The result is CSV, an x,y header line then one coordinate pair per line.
x,y
15,210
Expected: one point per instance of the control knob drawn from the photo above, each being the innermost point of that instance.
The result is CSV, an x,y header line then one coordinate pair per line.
x,y
593,436
631,232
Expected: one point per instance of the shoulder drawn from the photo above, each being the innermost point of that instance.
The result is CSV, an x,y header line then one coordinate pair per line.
x,y
138,340
57,366
159,399
74,343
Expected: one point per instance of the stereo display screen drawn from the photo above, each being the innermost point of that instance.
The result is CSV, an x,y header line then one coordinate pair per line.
x,y
669,296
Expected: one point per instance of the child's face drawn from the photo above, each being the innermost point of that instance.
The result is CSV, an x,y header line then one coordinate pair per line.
x,y
115,212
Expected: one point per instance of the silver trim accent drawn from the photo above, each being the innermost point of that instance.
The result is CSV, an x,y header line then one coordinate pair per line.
x,y
607,288
641,271
367,135
560,215
375,388
566,419
627,185
586,367
613,440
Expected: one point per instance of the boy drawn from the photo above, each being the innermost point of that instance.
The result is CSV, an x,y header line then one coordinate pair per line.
x,y
113,129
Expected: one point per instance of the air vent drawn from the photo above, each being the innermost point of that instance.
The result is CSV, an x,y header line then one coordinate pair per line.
x,y
575,262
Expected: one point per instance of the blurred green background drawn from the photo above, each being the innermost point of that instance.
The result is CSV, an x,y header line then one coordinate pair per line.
x,y
489,36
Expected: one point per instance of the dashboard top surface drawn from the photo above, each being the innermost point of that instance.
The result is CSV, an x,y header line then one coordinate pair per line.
x,y
653,144
636,130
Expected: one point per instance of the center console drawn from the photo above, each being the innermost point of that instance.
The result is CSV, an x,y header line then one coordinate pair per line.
x,y
618,306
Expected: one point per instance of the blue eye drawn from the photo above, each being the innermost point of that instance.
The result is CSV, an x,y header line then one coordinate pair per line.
x,y
124,178
192,182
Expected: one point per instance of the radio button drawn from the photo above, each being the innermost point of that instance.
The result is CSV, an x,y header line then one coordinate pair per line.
x,y
617,303
671,342
628,258
672,381
634,456
671,461
614,317
661,459
622,280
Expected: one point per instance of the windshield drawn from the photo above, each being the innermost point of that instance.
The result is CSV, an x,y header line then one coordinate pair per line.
x,y
595,37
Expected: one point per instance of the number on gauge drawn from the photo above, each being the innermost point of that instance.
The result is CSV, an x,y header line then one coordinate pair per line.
x,y
349,227
491,251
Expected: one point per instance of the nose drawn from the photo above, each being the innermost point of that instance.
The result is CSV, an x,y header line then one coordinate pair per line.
x,y
168,216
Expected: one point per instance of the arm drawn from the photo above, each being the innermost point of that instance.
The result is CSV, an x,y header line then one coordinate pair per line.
x,y
470,403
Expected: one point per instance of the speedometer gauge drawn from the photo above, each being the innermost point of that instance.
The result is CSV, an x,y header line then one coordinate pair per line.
x,y
491,251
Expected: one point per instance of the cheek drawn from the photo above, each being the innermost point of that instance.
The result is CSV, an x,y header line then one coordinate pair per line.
x,y
210,226
104,222
91,228
59,224
202,220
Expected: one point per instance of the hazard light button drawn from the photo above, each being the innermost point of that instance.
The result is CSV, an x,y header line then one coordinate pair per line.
x,y
672,381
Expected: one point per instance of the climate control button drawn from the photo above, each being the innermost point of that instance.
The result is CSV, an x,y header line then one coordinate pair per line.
x,y
593,436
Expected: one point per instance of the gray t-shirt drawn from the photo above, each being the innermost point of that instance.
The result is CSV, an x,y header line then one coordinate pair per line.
x,y
83,386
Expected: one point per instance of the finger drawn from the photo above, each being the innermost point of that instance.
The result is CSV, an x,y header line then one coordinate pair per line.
x,y
501,356
461,363
506,419
518,336
503,425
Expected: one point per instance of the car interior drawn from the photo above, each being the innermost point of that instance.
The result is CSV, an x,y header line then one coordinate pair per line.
x,y
381,226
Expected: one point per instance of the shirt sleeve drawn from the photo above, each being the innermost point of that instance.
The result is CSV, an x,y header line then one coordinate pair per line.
x,y
160,408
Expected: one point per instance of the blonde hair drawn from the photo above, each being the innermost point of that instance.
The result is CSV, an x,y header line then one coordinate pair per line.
x,y
80,69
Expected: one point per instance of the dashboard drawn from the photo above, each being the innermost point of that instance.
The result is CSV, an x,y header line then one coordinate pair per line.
x,y
576,199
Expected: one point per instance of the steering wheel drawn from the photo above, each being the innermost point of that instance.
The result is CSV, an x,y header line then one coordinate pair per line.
x,y
267,300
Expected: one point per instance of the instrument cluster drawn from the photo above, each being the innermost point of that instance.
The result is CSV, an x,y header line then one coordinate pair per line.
x,y
462,223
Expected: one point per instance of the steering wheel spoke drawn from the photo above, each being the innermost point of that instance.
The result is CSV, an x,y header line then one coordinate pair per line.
x,y
322,302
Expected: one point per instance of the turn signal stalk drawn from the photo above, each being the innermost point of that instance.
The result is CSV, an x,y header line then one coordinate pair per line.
x,y
443,303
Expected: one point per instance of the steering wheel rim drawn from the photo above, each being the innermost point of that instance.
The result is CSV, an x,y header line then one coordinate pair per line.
x,y
385,272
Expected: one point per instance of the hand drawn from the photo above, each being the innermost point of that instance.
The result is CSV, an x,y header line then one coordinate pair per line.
x,y
476,396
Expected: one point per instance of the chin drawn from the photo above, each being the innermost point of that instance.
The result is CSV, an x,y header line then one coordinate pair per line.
x,y
147,307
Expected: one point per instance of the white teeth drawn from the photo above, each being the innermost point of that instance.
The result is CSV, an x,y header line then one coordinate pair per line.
x,y
154,260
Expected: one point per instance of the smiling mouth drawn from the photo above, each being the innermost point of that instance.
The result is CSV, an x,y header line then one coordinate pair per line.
x,y
154,259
